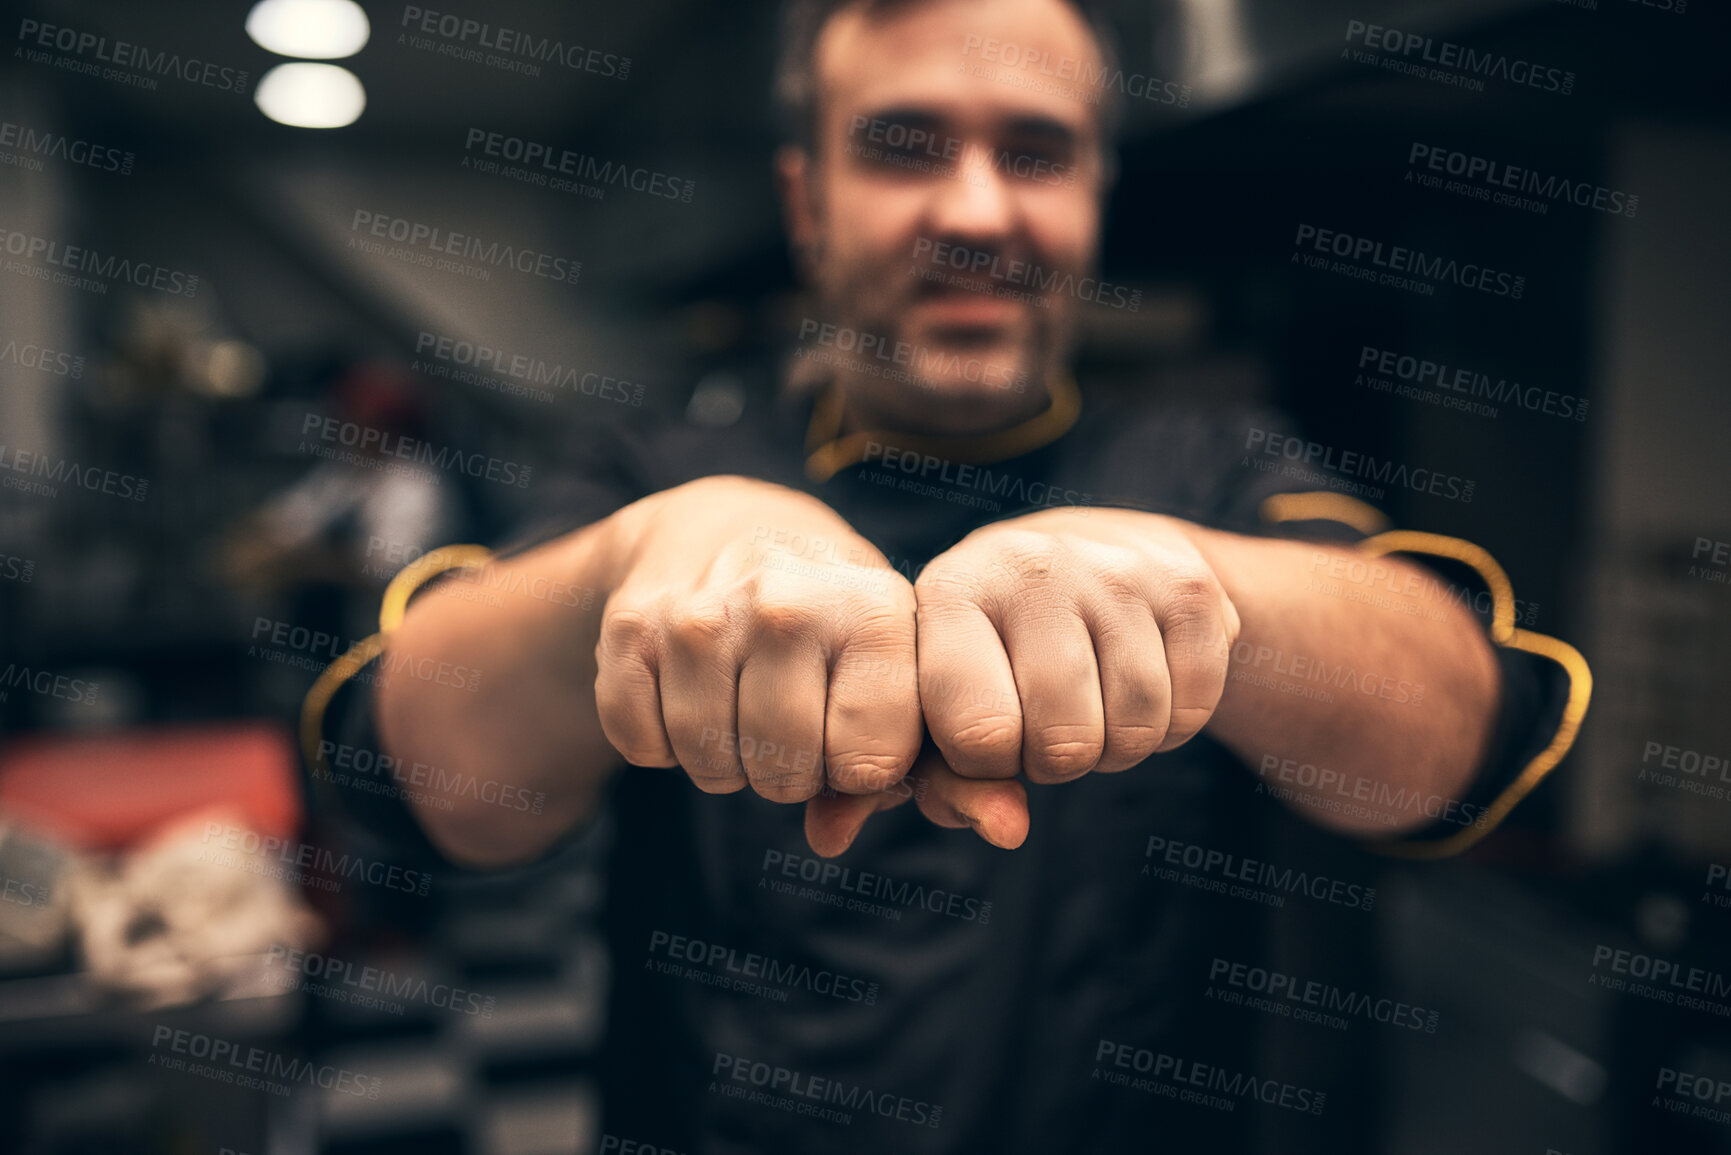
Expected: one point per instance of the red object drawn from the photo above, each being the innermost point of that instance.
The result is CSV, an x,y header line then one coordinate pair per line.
x,y
111,791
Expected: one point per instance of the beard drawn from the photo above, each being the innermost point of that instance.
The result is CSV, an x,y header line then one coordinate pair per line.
x,y
940,351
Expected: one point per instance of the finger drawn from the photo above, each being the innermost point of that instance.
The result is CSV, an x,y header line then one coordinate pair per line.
x,y
1058,681
833,820
781,718
627,689
1135,684
872,721
967,689
699,688
1192,614
995,809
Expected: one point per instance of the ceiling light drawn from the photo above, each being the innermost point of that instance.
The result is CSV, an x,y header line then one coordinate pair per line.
x,y
315,29
311,95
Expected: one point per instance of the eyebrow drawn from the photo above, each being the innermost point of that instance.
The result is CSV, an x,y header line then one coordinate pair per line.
x,y
1043,127
1046,127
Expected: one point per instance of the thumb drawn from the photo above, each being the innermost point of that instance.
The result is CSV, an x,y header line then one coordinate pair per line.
x,y
994,808
833,819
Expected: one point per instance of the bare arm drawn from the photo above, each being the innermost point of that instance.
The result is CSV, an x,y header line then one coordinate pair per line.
x,y
682,648
529,725
1071,641
1371,701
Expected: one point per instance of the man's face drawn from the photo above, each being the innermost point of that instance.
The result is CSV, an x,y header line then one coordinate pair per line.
x,y
945,189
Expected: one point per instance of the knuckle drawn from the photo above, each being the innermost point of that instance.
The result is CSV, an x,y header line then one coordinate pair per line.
x,y
1066,748
1033,556
623,726
876,632
1187,722
866,771
711,782
626,633
1117,574
1140,693
636,749
698,627
944,581
783,618
874,689
1134,739
779,786
1193,592
899,601
988,738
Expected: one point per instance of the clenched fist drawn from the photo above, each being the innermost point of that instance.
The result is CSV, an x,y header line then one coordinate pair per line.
x,y
752,637
1067,641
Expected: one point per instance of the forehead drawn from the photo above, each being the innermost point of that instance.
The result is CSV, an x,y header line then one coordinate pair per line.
x,y
947,58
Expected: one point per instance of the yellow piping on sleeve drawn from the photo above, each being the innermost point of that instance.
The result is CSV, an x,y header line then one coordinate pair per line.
x,y
1301,507
1339,507
391,610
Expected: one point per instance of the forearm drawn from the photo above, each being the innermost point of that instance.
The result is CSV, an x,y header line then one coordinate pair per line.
x,y
1356,707
527,627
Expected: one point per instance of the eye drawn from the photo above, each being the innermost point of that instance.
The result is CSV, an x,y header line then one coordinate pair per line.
x,y
1044,153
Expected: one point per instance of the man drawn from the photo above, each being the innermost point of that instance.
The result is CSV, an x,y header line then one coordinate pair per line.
x,y
1080,683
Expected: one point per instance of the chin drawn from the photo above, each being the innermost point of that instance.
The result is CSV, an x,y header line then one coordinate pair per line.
x,y
957,405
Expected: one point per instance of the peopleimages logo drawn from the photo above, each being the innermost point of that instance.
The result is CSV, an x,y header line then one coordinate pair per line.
x,y
100,267
530,50
1309,1000
1381,800
365,769
846,879
371,987
545,164
440,242
89,477
1498,183
1094,78
1189,1081
1661,980
877,354
785,1088
229,1062
47,684
931,259
899,145
304,862
44,360
754,973
1018,491
471,363
1437,381
1398,266
58,146
378,444
149,63
1341,464
1205,861
1683,1086
1453,63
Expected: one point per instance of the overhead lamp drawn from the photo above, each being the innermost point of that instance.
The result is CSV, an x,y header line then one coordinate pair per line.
x,y
306,95
310,29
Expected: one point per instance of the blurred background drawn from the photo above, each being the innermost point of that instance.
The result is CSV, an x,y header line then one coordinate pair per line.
x,y
180,554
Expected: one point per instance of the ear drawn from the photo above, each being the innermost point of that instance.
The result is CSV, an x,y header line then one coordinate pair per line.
x,y
796,181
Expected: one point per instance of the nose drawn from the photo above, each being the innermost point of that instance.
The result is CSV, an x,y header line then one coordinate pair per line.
x,y
976,207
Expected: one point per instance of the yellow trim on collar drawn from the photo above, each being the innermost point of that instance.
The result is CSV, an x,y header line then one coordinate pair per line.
x,y
828,453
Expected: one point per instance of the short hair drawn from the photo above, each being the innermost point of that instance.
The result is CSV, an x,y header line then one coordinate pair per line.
x,y
803,21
